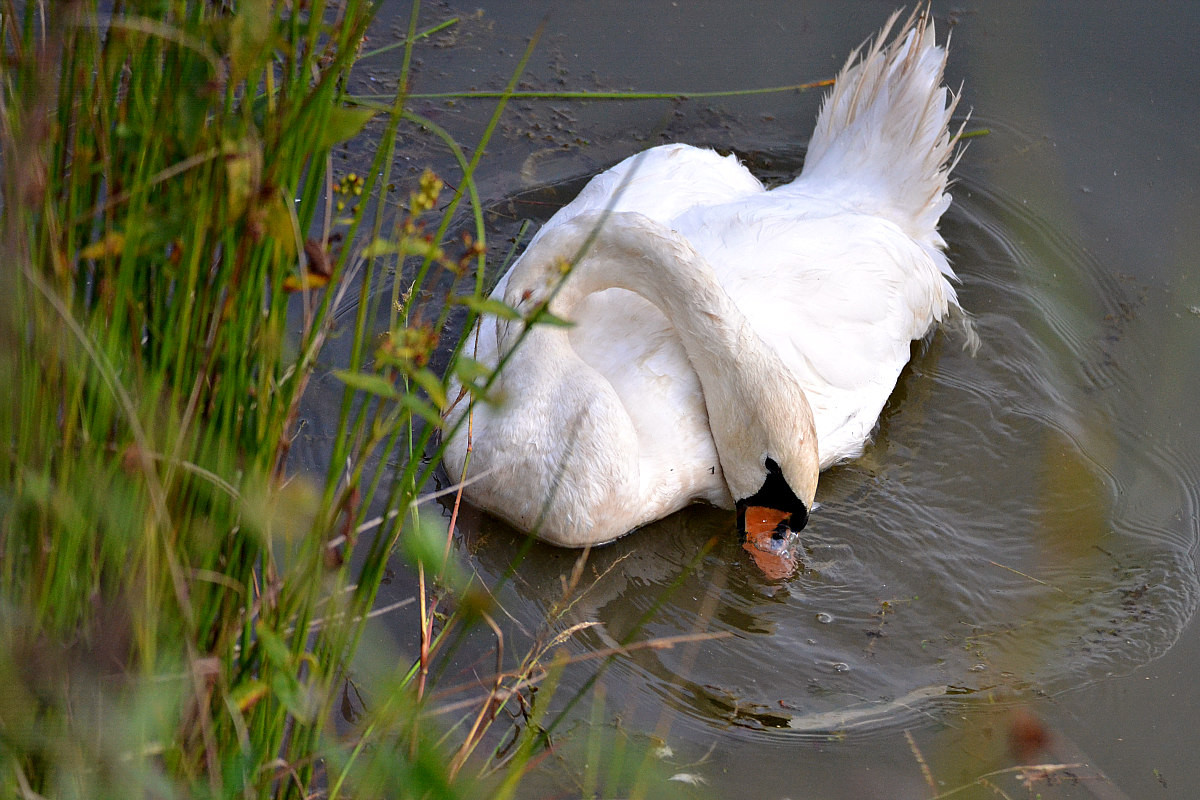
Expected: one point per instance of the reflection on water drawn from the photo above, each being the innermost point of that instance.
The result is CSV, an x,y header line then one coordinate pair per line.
x,y
997,538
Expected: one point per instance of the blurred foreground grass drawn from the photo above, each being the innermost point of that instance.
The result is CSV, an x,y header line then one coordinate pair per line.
x,y
177,612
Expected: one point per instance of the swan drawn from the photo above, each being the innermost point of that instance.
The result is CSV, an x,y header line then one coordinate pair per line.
x,y
728,341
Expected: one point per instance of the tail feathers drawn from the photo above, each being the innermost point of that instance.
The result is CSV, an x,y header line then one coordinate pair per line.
x,y
882,141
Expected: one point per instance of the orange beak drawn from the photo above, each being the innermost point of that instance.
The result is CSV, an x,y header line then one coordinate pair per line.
x,y
767,540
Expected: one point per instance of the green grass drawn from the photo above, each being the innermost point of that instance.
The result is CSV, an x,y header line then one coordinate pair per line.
x,y
178,611
167,198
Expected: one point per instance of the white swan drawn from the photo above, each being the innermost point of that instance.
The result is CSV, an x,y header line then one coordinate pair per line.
x,y
729,341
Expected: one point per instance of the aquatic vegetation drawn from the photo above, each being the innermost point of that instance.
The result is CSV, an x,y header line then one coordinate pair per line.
x,y
179,611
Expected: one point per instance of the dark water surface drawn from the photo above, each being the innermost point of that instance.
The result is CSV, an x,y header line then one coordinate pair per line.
x,y
1021,537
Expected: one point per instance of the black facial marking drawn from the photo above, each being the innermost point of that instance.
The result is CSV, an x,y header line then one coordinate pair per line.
x,y
775,493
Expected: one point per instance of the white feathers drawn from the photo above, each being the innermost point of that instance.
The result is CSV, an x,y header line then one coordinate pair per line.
x,y
882,142
665,391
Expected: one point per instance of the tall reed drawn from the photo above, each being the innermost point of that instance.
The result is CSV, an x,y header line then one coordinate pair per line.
x,y
176,612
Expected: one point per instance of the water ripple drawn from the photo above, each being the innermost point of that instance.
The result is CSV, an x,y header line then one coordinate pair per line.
x,y
1019,523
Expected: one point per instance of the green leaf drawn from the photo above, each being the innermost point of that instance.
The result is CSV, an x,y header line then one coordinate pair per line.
x,y
424,542
247,694
543,317
344,123
276,651
407,245
367,382
279,225
380,247
416,246
243,173
432,386
469,371
110,246
293,695
489,306
249,35
416,405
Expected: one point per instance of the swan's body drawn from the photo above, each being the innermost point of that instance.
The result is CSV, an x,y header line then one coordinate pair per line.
x,y
729,341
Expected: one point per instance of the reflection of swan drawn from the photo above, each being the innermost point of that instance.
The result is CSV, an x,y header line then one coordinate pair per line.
x,y
729,341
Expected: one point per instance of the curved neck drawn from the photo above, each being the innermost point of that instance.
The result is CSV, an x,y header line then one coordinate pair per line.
x,y
757,410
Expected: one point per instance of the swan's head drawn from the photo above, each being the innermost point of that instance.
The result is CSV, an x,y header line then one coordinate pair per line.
x,y
766,436
769,520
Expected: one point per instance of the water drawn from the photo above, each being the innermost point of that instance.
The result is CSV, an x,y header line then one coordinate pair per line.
x,y
1021,536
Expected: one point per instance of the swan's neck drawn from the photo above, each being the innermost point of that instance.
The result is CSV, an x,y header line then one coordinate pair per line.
x,y
757,411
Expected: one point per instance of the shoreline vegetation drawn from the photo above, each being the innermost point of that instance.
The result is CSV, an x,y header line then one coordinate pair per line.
x,y
178,612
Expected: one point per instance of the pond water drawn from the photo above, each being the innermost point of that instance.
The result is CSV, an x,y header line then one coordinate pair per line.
x,y
1019,542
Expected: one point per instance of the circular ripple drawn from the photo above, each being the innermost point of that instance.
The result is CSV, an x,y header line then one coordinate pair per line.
x,y
1013,526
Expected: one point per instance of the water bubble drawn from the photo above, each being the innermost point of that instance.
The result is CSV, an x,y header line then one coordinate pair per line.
x,y
840,666
824,617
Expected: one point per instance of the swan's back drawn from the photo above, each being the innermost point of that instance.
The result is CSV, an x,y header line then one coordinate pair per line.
x,y
662,183
840,296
